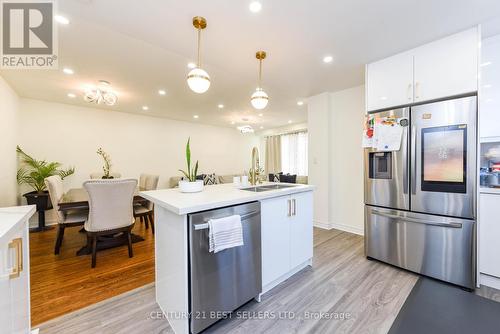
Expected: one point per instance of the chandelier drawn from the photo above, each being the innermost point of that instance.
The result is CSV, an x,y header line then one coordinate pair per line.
x,y
245,129
102,94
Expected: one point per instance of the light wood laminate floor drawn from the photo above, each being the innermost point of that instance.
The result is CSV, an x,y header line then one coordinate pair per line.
x,y
341,282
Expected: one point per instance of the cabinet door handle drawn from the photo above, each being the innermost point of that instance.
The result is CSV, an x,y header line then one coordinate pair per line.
x,y
417,90
17,245
289,213
294,207
408,92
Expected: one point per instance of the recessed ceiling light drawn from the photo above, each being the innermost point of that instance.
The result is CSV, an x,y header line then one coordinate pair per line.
x,y
145,108
327,59
68,71
220,106
486,63
232,123
61,19
261,115
191,65
71,95
261,127
290,121
300,103
196,116
255,6
487,86
162,92
383,98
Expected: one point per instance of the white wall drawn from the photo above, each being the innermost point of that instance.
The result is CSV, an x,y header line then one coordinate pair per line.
x,y
136,143
9,105
335,123
318,115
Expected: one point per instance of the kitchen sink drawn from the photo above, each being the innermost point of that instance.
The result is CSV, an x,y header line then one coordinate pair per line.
x,y
259,189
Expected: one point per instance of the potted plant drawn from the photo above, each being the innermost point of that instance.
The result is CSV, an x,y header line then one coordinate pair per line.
x,y
33,173
190,184
107,164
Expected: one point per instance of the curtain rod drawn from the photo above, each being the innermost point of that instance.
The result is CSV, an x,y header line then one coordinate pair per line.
x,y
287,133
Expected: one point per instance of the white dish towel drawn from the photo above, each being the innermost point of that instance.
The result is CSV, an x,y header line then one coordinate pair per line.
x,y
224,233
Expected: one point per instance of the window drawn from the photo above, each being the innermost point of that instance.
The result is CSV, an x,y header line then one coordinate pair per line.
x,y
294,153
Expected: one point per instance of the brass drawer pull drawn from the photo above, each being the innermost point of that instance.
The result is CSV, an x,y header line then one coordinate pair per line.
x,y
17,244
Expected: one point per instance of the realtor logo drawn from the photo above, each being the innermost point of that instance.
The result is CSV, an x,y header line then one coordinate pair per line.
x,y
29,38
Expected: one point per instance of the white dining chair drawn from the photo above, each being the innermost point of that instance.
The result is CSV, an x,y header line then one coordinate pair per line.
x,y
145,212
72,218
110,211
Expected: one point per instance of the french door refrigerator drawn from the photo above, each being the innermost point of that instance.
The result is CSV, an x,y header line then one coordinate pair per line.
x,y
420,201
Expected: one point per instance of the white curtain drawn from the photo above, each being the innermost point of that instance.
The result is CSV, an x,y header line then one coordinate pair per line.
x,y
273,154
294,153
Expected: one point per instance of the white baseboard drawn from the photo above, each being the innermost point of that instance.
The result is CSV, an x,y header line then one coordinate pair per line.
x,y
34,223
491,281
342,227
348,228
323,225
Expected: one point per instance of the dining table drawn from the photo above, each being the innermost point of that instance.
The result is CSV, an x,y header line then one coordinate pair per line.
x,y
78,199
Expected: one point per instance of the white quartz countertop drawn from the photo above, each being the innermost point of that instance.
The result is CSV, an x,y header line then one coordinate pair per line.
x,y
11,216
215,196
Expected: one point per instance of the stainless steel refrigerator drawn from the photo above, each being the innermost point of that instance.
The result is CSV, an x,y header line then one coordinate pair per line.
x,y
420,201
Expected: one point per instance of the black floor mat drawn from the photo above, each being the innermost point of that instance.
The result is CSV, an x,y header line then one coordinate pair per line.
x,y
435,307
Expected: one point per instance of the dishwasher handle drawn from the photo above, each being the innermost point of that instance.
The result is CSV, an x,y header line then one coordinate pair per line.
x,y
416,220
204,226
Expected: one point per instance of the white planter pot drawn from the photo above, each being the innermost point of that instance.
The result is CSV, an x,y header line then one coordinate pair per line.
x,y
190,187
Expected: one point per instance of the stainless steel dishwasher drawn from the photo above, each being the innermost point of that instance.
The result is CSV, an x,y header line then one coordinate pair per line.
x,y
222,282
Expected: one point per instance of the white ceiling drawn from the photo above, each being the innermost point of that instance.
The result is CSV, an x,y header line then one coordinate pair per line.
x,y
142,46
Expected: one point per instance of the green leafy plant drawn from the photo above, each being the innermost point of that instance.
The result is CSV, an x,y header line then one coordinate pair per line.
x,y
191,173
33,172
107,163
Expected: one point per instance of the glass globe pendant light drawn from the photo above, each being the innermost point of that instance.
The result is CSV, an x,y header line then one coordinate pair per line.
x,y
198,79
259,99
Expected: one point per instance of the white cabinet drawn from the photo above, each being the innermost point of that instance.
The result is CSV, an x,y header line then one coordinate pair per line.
x,y
447,67
287,236
301,229
489,234
389,82
489,97
14,271
275,227
440,69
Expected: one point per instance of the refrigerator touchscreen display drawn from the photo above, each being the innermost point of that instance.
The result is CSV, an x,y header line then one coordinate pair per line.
x,y
444,158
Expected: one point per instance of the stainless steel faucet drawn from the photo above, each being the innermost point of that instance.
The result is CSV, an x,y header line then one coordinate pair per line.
x,y
255,170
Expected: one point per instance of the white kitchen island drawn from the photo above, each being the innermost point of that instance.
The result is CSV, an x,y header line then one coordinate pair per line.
x,y
286,238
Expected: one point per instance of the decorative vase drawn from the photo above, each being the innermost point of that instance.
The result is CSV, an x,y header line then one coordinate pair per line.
x,y
190,187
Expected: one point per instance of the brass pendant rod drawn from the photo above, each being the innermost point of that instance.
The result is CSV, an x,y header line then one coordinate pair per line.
x,y
260,73
199,47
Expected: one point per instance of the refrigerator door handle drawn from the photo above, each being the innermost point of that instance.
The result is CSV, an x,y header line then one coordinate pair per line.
x,y
416,220
413,162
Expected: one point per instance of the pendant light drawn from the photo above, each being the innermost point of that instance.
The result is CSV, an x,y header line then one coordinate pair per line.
x,y
259,99
197,79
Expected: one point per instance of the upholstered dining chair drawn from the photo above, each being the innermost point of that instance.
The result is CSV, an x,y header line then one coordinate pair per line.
x,y
111,211
72,218
94,176
145,212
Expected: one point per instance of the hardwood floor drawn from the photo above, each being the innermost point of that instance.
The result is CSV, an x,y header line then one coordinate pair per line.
x,y
342,283
64,283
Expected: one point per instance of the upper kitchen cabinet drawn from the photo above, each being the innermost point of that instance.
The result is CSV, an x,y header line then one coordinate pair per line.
x,y
440,69
447,67
390,82
489,98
